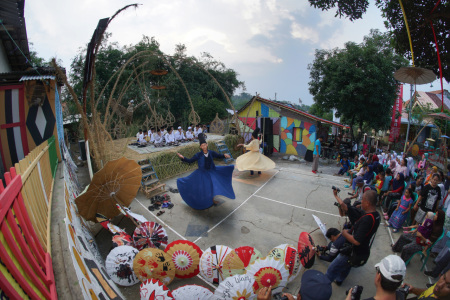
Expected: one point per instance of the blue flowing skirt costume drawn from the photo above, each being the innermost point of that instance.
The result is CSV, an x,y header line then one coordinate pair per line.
x,y
208,181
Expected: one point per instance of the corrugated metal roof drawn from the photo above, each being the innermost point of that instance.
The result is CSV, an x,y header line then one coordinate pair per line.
x,y
36,77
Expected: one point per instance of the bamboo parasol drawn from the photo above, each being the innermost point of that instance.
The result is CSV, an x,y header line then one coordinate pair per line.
x,y
116,183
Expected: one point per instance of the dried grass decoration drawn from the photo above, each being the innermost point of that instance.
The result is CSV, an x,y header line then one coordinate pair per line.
x,y
159,72
158,87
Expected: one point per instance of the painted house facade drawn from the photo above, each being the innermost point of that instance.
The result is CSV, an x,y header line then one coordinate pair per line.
x,y
286,129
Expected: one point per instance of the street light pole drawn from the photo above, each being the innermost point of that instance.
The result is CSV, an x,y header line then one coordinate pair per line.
x,y
409,117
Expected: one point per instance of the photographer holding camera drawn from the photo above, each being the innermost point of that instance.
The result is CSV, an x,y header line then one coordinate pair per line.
x,y
333,248
345,208
391,271
359,239
440,290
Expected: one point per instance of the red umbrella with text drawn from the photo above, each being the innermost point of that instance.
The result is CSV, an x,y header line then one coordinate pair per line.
x,y
306,250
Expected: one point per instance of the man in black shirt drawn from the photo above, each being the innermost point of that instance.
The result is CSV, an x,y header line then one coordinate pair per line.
x,y
360,237
428,199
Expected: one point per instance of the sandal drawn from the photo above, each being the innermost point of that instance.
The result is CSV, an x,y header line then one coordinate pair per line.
x,y
151,208
160,213
170,205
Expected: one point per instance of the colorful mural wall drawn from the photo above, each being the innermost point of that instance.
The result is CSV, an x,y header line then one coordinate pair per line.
x,y
290,136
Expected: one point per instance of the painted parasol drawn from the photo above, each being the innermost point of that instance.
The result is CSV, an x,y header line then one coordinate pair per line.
x,y
211,263
119,265
120,237
236,287
289,256
116,183
192,291
154,263
237,260
154,289
149,234
414,75
306,250
321,225
186,258
268,272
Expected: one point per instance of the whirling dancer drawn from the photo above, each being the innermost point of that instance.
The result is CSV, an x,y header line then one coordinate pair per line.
x,y
254,160
199,189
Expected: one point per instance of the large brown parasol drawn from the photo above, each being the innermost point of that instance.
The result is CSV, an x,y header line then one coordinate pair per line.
x,y
414,75
116,183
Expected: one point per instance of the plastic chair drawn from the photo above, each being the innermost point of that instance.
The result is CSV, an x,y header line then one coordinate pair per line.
x,y
415,175
352,166
423,257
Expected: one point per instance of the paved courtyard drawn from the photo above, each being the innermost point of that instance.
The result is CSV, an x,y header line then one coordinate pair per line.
x,y
270,209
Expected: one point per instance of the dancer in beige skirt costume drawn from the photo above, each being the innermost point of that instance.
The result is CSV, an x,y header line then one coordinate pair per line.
x,y
254,160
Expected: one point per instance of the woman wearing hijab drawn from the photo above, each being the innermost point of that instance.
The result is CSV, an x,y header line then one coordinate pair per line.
x,y
368,176
199,189
254,160
377,167
402,168
398,184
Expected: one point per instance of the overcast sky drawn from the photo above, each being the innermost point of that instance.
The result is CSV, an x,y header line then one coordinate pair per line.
x,y
268,43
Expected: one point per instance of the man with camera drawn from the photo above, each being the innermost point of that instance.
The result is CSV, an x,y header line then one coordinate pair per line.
x,y
333,248
440,290
391,271
359,239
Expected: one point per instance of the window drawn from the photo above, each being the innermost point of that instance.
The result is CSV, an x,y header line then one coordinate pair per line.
x,y
297,134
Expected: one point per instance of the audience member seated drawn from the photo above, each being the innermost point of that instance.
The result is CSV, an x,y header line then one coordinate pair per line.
x,y
398,213
179,135
428,199
189,134
420,237
440,290
159,139
398,185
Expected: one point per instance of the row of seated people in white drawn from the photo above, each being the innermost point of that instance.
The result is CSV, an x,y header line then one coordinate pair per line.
x,y
161,137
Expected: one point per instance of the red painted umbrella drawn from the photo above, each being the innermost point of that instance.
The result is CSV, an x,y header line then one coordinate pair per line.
x,y
237,260
306,250
149,234
186,257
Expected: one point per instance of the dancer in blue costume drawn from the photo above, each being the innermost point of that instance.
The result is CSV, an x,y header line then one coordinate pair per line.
x,y
199,189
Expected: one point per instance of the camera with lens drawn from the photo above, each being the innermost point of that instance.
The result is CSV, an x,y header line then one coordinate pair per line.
x,y
404,290
337,204
335,188
279,296
356,292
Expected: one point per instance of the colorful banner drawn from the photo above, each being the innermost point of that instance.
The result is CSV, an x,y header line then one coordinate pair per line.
x,y
396,115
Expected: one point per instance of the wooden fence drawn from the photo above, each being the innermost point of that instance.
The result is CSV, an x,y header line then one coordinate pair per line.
x,y
26,268
38,170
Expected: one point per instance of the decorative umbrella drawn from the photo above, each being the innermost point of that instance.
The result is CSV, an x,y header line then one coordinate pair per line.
x,y
136,217
237,260
321,225
414,75
192,291
149,234
154,263
211,263
306,250
122,239
119,265
236,287
430,139
159,72
117,182
289,256
154,289
268,272
186,258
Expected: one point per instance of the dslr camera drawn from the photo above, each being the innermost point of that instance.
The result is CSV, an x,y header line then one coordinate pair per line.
x,y
404,291
356,292
279,296
335,188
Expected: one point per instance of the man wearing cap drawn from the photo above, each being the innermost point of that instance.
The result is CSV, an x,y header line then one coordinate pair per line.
x,y
360,236
158,138
314,286
316,154
189,135
440,290
179,135
391,271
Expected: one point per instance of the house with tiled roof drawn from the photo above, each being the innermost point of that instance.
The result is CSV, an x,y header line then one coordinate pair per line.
x,y
285,129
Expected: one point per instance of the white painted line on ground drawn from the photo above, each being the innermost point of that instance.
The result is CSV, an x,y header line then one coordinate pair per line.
x,y
199,238
323,176
163,223
296,206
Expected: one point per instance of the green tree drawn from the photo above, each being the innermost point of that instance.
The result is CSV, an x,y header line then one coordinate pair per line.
x,y
240,100
357,81
320,112
419,15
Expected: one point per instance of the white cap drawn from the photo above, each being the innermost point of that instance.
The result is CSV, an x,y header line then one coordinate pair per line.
x,y
179,127
189,128
393,268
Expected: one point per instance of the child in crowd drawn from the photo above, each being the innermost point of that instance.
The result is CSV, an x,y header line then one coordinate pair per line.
x,y
422,165
344,166
400,213
434,170
384,189
379,182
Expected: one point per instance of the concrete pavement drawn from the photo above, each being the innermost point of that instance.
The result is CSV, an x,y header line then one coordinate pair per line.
x,y
269,210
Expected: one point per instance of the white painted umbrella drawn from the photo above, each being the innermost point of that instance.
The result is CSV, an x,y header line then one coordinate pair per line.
x,y
321,225
287,254
154,289
268,272
236,287
192,291
119,265
211,263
